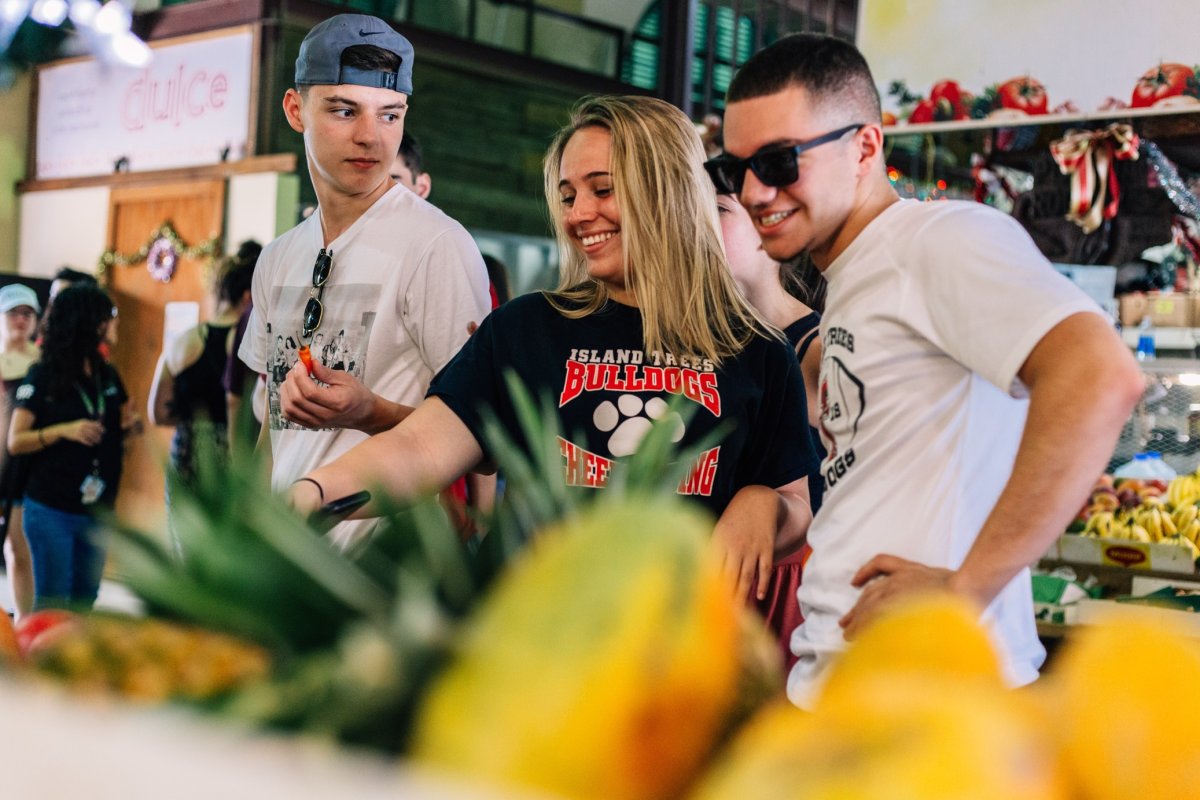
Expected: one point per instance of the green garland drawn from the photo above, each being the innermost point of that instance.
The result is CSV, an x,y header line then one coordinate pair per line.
x,y
207,249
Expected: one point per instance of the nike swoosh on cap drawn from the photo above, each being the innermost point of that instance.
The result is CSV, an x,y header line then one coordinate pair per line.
x,y
369,33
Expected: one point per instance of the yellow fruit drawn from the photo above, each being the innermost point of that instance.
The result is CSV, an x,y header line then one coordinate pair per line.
x,y
1127,700
603,664
930,635
914,736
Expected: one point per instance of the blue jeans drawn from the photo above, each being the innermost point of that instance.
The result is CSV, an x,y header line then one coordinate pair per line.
x,y
68,556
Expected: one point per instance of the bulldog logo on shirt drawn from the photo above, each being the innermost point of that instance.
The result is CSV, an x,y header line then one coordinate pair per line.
x,y
843,401
628,424
628,418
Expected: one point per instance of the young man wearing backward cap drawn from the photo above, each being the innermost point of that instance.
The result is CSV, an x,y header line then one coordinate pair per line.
x,y
391,281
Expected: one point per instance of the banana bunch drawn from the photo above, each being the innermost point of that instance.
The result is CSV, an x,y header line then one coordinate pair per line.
x,y
1156,521
1184,490
1187,521
1116,525
1099,525
1149,523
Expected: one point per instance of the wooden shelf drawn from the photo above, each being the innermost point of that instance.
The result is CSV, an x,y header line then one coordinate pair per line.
x,y
1114,115
280,162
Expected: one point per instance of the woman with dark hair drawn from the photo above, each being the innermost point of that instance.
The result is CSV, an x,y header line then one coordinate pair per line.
x,y
72,416
188,390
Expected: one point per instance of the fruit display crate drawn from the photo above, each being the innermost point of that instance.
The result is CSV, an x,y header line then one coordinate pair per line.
x,y
1126,554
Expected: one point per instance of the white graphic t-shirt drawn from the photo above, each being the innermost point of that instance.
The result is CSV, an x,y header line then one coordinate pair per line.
x,y
930,314
406,281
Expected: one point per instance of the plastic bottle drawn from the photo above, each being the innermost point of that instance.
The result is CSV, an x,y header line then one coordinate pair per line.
x,y
1161,468
1145,342
1140,467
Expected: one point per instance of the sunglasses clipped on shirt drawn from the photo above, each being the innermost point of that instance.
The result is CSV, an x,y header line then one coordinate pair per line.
x,y
313,309
776,165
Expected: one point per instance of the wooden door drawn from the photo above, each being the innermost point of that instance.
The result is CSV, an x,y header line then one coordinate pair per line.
x,y
196,210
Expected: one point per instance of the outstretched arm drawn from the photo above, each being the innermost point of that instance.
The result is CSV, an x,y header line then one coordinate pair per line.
x,y
425,453
1082,384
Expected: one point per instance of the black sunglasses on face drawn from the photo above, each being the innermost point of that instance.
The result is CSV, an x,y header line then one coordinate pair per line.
x,y
773,166
313,310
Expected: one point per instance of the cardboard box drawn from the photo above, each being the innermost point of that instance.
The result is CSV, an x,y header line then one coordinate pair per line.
x,y
1131,309
1124,553
1089,612
1170,310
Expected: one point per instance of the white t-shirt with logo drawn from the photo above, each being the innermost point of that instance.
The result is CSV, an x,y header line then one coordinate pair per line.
x,y
406,281
930,313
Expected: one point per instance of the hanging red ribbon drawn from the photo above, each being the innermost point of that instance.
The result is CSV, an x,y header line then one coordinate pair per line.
x,y
1087,157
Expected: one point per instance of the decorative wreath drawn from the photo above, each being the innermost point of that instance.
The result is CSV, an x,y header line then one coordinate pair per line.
x,y
161,259
162,252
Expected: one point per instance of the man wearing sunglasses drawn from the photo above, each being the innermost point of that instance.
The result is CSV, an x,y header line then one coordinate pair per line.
x,y
969,395
388,281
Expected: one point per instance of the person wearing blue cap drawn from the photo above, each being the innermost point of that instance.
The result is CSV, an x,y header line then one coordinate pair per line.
x,y
19,308
392,282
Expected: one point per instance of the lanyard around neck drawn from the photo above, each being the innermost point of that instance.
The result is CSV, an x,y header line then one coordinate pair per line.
x,y
95,411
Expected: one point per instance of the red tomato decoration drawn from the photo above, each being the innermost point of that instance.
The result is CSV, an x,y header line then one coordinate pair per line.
x,y
1161,82
948,97
38,623
1023,94
923,111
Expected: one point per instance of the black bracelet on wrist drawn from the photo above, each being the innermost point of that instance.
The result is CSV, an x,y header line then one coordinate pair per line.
x,y
320,490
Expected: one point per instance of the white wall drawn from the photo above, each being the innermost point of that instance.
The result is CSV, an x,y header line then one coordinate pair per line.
x,y
1081,50
63,227
70,226
260,206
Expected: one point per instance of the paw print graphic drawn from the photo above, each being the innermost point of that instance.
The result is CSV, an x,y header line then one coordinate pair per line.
x,y
629,419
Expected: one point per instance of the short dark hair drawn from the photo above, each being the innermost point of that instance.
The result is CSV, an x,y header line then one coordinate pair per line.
x,y
367,57
370,58
72,275
410,151
827,67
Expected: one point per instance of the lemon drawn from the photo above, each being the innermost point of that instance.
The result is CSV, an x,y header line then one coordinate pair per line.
x,y
903,738
1127,695
927,635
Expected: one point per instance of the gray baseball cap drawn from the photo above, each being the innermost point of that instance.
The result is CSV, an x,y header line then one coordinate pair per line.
x,y
321,53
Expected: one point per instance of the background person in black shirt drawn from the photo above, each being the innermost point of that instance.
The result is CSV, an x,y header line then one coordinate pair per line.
x,y
72,414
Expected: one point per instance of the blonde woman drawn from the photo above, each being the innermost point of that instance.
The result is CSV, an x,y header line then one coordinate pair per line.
x,y
646,310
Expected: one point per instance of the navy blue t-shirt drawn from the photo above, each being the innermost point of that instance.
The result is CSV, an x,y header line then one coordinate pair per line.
x,y
608,389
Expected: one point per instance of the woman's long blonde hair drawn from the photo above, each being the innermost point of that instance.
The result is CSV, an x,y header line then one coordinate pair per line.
x,y
669,227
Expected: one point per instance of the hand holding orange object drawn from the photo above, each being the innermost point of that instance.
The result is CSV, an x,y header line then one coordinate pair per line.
x,y
306,357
